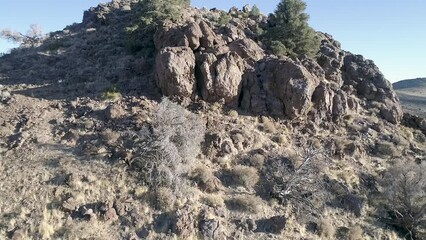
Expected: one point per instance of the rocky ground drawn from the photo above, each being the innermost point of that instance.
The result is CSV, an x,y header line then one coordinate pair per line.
x,y
291,149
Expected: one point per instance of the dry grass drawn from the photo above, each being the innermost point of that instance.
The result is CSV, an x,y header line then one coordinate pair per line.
x,y
355,233
385,149
213,200
164,199
245,203
205,179
257,160
267,126
326,229
244,176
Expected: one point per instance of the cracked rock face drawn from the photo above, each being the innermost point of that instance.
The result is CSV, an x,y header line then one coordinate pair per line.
x,y
175,71
225,64
280,86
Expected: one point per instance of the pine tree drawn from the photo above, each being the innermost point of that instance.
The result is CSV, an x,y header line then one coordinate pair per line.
x,y
289,25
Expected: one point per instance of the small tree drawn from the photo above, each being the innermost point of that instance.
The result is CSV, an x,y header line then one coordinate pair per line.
x,y
289,25
33,37
404,198
255,11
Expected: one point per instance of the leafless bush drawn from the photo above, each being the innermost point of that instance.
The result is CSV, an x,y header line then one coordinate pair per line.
x,y
33,37
296,180
166,151
404,198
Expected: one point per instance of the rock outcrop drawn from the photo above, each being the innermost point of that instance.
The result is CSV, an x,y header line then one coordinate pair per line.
x,y
175,71
232,67
200,57
280,87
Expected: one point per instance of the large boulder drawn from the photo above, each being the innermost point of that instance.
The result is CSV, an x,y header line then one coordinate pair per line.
x,y
279,87
247,49
172,35
174,71
370,84
220,77
209,36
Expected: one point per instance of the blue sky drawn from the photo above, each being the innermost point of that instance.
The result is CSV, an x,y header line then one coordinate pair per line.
x,y
391,32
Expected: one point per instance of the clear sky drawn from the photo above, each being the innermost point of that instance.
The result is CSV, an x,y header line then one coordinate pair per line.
x,y
391,32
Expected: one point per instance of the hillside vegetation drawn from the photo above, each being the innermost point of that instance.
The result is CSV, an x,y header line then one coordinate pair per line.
x,y
151,119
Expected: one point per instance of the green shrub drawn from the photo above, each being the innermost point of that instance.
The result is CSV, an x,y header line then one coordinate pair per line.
x,y
111,93
278,48
255,11
289,26
224,19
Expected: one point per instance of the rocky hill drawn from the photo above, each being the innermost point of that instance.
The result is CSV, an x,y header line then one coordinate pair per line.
x,y
250,145
412,93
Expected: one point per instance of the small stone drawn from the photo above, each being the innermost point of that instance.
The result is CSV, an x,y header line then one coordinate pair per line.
x,y
111,215
18,234
114,112
70,205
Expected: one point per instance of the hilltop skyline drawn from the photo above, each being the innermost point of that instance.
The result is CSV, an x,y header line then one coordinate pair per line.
x,y
388,32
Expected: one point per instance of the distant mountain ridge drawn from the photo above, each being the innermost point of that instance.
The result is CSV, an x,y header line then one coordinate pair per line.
x,y
412,94
410,83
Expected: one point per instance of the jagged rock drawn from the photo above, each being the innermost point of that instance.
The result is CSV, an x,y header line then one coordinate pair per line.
x,y
111,215
330,58
247,49
371,85
234,32
207,41
175,71
210,228
185,222
273,225
391,112
220,78
332,102
413,121
177,36
283,88
18,234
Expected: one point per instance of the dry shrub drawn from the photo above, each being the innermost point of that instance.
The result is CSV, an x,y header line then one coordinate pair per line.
x,y
355,233
404,198
166,151
245,203
280,139
326,229
385,149
244,176
297,180
257,160
214,200
268,125
205,179
164,199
